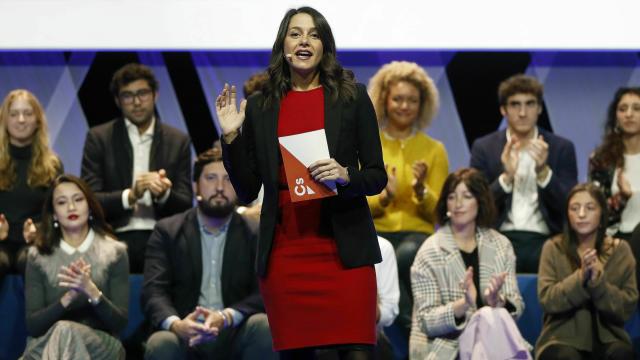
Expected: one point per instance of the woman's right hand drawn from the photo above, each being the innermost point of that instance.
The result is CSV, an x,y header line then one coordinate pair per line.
x,y
229,116
387,194
4,228
470,291
463,304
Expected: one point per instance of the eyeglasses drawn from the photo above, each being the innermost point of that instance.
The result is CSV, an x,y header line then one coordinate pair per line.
x,y
127,97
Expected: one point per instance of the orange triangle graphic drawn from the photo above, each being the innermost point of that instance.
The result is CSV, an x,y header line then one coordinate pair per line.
x,y
301,186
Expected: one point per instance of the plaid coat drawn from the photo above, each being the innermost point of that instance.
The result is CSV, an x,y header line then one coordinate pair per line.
x,y
436,274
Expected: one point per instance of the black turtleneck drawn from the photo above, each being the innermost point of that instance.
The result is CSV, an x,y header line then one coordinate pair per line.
x,y
21,201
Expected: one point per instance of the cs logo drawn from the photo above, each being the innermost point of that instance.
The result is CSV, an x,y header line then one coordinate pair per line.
x,y
301,189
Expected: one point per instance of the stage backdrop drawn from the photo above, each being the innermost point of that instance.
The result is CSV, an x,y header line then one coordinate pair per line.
x,y
73,87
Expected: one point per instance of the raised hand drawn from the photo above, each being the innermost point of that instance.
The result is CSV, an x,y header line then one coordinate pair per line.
x,y
229,116
419,175
492,292
4,228
539,151
509,158
329,169
29,231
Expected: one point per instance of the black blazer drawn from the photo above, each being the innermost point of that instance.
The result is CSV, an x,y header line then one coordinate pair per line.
x,y
107,166
253,159
173,268
485,156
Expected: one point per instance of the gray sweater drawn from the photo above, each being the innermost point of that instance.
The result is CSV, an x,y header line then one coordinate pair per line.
x,y
110,273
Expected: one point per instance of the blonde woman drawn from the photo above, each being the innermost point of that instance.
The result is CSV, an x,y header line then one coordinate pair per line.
x,y
27,167
406,100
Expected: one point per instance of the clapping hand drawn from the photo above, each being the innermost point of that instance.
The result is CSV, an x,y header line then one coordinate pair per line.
x,y
469,288
159,184
510,157
492,292
419,175
539,151
4,228
229,116
591,266
29,231
387,195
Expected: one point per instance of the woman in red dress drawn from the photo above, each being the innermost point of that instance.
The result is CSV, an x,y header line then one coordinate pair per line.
x,y
315,258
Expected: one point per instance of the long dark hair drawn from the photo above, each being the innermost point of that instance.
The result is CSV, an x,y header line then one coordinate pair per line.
x,y
337,80
610,154
569,236
49,235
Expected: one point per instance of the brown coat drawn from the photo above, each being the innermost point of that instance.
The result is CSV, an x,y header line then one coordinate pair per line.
x,y
564,299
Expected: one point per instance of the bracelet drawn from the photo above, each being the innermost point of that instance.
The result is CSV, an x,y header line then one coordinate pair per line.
x,y
95,301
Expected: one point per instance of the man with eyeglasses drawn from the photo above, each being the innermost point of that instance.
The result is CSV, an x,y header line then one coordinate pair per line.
x,y
138,167
531,170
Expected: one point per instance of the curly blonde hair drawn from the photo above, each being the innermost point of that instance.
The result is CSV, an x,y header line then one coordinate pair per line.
x,y
45,165
412,73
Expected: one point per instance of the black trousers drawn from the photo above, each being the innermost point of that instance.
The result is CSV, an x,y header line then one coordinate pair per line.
x,y
136,241
527,246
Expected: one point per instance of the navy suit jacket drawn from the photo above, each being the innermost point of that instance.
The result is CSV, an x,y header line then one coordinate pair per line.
x,y
253,158
485,156
173,268
107,167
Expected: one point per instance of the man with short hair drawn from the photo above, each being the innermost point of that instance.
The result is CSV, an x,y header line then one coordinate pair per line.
x,y
200,289
530,170
138,167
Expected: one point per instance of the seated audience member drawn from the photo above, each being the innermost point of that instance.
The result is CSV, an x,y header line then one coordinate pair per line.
x,y
77,279
586,285
27,167
462,268
200,264
530,171
406,99
615,165
138,167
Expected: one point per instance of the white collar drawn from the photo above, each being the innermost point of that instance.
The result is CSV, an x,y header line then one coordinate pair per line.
x,y
86,243
131,127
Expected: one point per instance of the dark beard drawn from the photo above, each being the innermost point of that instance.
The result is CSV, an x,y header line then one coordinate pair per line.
x,y
216,211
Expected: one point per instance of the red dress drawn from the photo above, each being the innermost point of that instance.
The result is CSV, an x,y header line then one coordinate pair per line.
x,y
310,298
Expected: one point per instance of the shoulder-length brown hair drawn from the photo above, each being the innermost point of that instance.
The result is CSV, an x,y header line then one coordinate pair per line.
x,y
396,71
610,154
338,81
569,236
49,235
478,186
45,165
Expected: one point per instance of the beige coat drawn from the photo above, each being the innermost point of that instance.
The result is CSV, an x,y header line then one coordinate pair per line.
x,y
435,279
564,299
